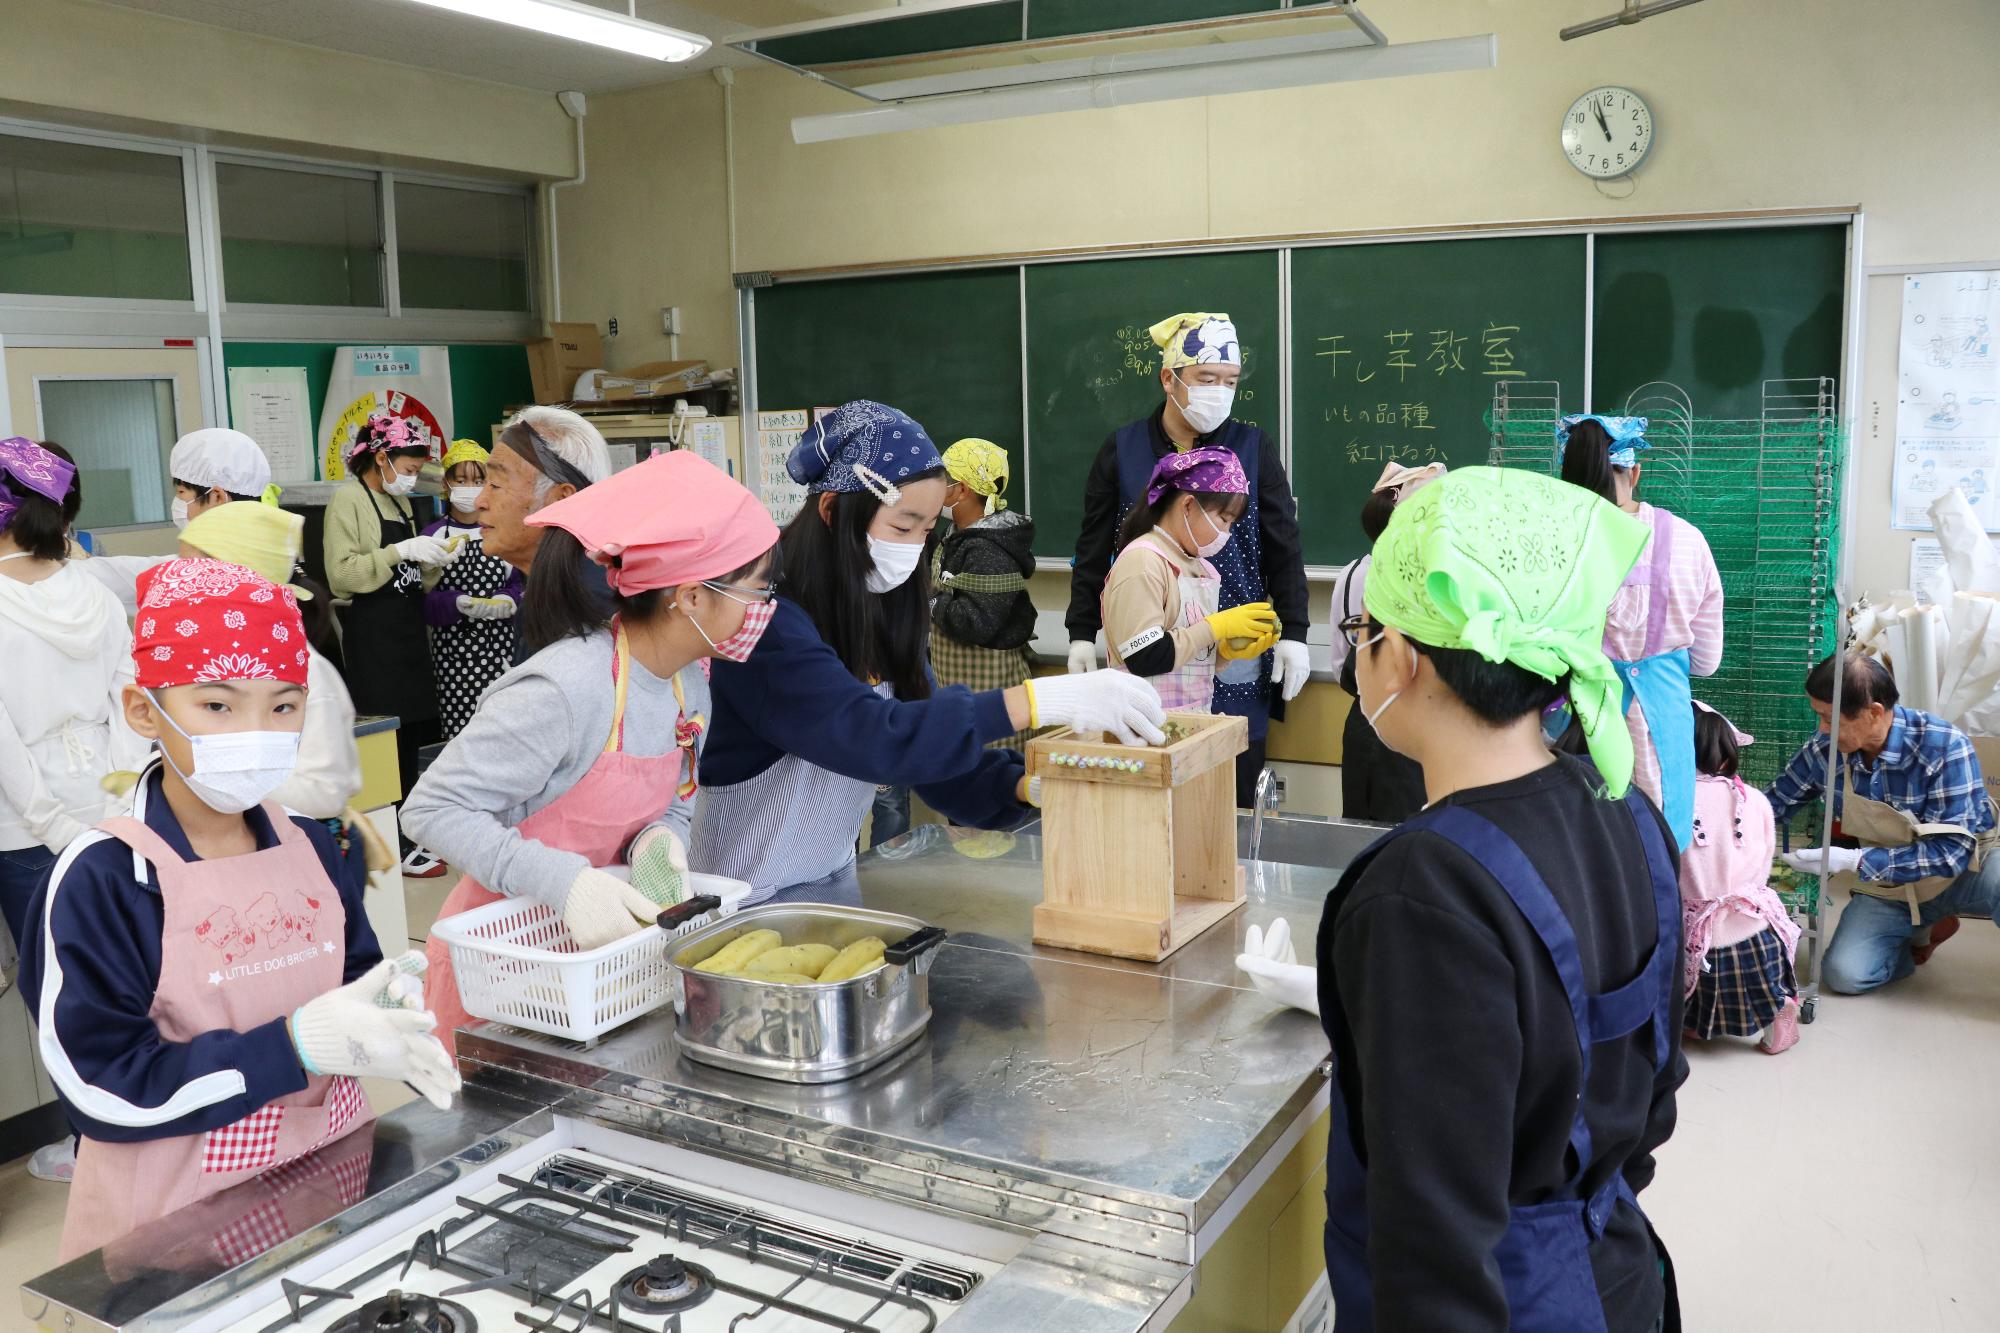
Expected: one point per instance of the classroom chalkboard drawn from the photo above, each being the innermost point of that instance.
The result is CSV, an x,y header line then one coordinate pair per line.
x,y
943,347
487,379
1092,367
1395,352
1716,313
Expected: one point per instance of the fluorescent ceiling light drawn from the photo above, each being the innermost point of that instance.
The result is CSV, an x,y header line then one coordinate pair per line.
x,y
1162,85
583,23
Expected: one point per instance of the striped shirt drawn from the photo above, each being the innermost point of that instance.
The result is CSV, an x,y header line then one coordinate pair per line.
x,y
1926,769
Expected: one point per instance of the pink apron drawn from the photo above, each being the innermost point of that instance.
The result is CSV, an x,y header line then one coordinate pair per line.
x,y
597,819
1189,687
247,939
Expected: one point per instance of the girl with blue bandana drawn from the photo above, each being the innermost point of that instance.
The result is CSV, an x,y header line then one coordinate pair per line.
x,y
1665,624
839,700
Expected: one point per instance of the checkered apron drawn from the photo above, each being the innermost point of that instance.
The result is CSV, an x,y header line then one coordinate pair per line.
x,y
247,939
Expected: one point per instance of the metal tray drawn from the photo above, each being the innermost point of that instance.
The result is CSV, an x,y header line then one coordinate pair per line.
x,y
805,1033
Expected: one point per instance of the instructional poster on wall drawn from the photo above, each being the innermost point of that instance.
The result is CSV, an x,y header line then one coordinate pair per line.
x,y
413,383
272,405
777,433
1948,411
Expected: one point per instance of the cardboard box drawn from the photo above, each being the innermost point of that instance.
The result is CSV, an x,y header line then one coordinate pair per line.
x,y
1988,750
654,379
555,362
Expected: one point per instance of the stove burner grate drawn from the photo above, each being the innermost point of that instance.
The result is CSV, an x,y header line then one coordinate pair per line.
x,y
401,1312
665,1285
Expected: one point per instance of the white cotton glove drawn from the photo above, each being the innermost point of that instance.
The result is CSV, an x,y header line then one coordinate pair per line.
x,y
1115,701
454,547
1082,656
1274,967
1290,668
659,866
486,608
600,908
350,1031
422,551
1839,860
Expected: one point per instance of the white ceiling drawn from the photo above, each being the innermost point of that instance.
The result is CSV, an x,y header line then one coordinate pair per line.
x,y
434,39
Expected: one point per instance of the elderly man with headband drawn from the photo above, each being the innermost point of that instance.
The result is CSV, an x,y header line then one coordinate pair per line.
x,y
545,454
1200,364
1500,976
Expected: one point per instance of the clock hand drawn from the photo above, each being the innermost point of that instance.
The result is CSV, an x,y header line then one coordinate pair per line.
x,y
1600,121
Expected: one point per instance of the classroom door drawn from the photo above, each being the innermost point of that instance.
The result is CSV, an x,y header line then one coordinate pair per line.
x,y
118,410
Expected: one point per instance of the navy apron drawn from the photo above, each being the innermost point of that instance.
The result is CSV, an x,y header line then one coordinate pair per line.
x,y
1241,688
1660,684
1544,1257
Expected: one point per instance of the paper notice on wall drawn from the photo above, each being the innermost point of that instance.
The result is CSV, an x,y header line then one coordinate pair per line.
x,y
1926,562
272,405
413,383
1948,409
777,433
710,442
622,455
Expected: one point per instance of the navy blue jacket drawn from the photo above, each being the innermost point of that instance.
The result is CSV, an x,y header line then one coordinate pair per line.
x,y
795,696
92,965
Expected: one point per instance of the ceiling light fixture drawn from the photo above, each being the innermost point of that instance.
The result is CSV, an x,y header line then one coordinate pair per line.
x,y
584,23
1633,12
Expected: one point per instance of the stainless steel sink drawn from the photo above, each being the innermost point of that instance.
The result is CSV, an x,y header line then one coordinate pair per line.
x,y
1304,841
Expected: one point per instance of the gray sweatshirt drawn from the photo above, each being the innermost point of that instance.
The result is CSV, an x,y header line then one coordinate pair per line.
x,y
537,731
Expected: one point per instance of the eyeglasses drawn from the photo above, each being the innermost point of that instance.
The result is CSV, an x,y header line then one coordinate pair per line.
x,y
1354,627
756,596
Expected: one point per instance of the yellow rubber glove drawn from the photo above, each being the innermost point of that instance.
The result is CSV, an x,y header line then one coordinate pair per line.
x,y
1252,620
1238,649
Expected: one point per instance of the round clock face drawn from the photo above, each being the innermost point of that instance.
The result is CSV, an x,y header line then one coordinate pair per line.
x,y
1607,132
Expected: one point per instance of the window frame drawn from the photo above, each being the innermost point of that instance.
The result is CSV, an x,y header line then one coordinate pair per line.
x,y
531,216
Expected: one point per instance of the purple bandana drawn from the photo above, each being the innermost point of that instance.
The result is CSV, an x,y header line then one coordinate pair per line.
x,y
1210,471
30,467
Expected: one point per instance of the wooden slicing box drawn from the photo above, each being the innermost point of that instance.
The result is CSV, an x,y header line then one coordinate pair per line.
x,y
1136,864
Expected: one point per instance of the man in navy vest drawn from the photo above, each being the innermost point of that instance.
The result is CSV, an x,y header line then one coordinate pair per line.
x,y
1200,364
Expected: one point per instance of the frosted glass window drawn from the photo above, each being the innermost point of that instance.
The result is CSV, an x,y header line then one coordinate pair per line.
x,y
120,432
79,220
299,237
461,249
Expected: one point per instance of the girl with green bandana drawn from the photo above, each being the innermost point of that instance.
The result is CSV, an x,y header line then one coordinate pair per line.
x,y
1499,976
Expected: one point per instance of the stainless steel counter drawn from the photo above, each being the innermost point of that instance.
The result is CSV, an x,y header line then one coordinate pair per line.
x,y
1103,1100
1115,1111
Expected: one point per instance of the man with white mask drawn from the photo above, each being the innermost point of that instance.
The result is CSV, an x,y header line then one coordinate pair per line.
x,y
1200,365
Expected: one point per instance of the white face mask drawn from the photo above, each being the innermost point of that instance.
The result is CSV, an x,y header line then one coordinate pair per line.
x,y
894,563
400,483
238,769
1375,714
464,497
1207,405
179,512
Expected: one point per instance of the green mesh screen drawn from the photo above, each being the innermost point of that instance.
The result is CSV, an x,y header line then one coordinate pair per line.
x,y
1765,493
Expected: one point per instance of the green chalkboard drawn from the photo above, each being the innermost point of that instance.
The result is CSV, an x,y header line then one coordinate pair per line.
x,y
487,379
1395,352
943,347
1092,367
1717,313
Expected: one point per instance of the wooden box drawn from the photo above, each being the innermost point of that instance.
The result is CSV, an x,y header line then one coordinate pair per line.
x,y
1138,843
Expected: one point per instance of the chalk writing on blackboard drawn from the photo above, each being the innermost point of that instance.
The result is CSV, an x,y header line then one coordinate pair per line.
x,y
1447,353
1135,358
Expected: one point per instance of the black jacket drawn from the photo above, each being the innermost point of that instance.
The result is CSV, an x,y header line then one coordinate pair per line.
x,y
1277,520
999,544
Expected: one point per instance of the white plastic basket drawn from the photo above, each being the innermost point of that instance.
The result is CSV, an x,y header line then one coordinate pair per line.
x,y
515,963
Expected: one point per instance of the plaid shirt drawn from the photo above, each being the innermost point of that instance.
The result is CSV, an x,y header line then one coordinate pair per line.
x,y
1927,769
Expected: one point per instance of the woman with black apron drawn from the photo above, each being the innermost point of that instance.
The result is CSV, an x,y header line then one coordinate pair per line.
x,y
381,564
1376,783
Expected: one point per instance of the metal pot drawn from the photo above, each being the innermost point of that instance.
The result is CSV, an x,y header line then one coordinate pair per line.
x,y
805,1033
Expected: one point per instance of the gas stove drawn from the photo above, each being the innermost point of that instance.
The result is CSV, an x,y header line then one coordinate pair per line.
x,y
630,1235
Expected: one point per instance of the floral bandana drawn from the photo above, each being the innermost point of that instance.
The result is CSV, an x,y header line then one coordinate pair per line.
x,y
205,620
1210,471
1519,568
1196,339
862,446
981,467
1628,436
28,466
385,431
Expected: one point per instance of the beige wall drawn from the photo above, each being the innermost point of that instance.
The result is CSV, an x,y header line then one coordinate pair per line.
x,y
1759,105
94,64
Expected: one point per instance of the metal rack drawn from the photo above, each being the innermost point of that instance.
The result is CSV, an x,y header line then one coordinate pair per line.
x,y
1765,492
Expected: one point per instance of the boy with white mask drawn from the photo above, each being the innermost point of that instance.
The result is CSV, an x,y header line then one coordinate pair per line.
x,y
206,982
1201,363
214,466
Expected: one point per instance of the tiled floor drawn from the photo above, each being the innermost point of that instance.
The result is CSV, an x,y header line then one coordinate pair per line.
x,y
1848,1184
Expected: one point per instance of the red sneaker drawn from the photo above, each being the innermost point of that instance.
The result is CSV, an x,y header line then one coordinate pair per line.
x,y
1944,929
